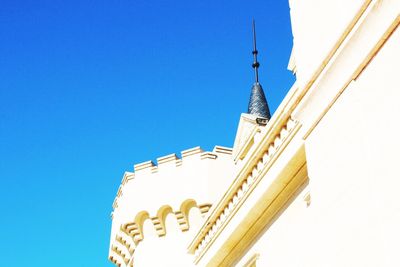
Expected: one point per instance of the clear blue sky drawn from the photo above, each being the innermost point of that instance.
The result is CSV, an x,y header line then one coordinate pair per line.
x,y
89,88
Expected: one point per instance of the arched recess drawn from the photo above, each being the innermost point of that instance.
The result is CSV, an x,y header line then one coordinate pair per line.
x,y
164,220
172,226
162,214
195,218
139,221
183,213
187,205
148,229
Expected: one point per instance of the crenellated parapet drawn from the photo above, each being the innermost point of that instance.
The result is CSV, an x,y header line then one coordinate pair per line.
x,y
172,186
127,176
164,164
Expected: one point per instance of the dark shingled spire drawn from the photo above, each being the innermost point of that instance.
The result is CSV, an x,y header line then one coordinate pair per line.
x,y
258,103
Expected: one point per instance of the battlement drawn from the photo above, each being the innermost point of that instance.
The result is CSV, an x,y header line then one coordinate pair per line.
x,y
168,161
172,184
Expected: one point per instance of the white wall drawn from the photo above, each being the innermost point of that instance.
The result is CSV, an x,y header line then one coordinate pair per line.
x,y
168,251
352,158
161,191
317,26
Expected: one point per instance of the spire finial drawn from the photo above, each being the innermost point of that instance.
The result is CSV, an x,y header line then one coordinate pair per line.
x,y
255,52
258,103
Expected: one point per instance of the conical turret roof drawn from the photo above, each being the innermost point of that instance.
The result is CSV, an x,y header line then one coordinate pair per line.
x,y
258,103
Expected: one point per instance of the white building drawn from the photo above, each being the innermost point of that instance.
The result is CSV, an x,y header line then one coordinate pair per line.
x,y
317,185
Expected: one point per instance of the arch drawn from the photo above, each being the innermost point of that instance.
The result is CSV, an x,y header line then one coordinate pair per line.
x,y
172,225
149,229
163,212
195,218
139,221
185,209
159,222
141,217
187,205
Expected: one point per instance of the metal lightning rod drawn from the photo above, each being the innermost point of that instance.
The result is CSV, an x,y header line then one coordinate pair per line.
x,y
255,64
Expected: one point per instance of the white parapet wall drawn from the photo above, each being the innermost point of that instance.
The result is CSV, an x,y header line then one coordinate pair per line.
x,y
320,187
164,199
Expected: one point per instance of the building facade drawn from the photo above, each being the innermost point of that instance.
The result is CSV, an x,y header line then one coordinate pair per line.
x,y
316,184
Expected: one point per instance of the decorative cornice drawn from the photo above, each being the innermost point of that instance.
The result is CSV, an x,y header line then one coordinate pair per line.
x,y
245,182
